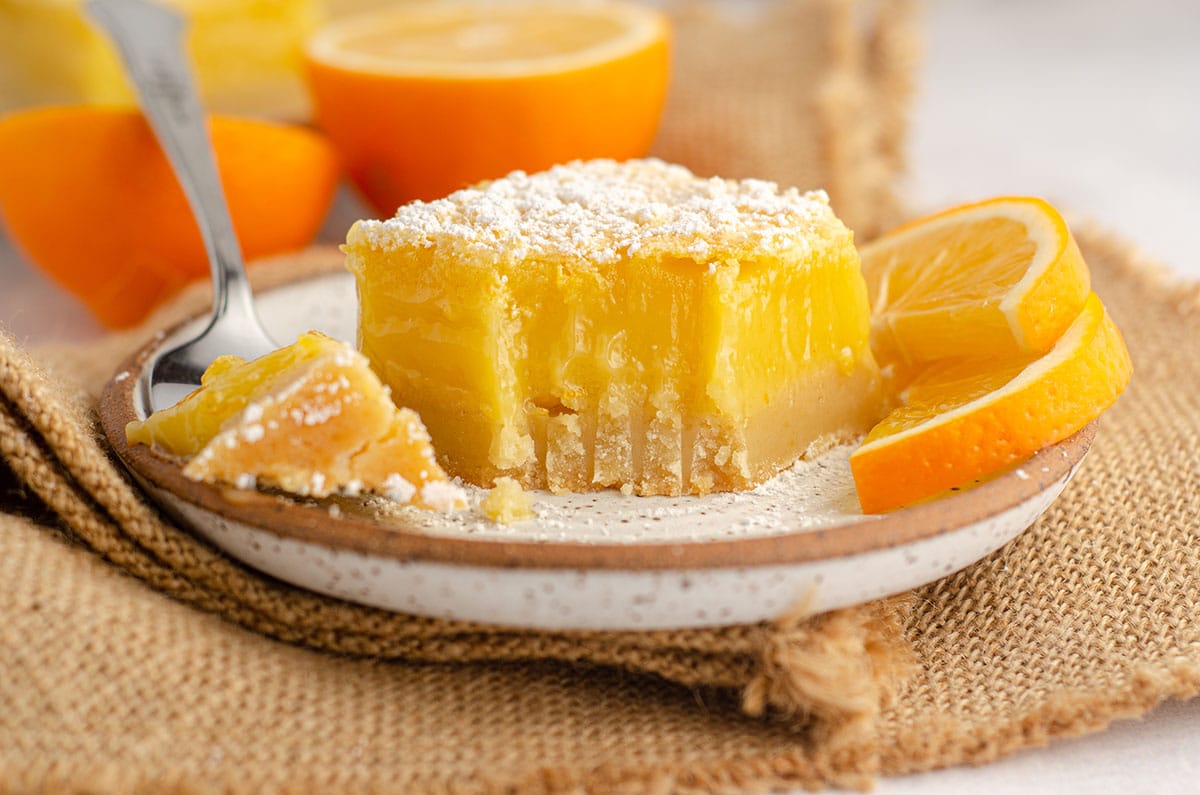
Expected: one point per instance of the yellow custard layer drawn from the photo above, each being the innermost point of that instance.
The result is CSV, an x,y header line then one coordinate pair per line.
x,y
311,419
619,325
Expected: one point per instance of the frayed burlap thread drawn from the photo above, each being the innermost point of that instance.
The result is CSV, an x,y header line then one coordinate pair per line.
x,y
113,686
842,668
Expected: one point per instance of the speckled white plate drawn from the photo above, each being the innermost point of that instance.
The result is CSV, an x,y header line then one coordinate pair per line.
x,y
589,561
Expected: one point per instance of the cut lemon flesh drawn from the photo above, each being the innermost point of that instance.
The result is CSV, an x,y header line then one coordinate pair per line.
x,y
1000,278
967,418
477,39
423,99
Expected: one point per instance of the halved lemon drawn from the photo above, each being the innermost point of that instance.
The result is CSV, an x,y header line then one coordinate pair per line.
x,y
133,240
965,418
1002,277
426,98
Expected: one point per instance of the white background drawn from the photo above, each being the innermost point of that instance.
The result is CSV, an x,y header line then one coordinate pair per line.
x,y
1094,105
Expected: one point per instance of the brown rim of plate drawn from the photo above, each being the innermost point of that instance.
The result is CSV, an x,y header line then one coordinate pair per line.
x,y
312,523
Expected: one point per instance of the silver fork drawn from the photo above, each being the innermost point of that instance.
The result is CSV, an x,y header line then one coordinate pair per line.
x,y
150,40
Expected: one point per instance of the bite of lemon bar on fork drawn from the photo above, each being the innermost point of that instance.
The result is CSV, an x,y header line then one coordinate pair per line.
x,y
619,325
310,418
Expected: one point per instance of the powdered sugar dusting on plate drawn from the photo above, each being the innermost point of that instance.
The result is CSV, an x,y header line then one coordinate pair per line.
x,y
811,495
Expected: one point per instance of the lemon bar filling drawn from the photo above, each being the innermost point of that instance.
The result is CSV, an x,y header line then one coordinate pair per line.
x,y
507,502
310,419
623,325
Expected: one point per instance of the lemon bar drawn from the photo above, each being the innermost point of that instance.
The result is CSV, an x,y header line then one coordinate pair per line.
x,y
246,53
619,325
311,419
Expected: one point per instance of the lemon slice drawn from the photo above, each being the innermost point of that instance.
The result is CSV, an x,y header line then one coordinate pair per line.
x,y
964,419
1003,277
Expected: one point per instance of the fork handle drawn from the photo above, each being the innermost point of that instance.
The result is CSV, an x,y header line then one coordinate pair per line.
x,y
150,40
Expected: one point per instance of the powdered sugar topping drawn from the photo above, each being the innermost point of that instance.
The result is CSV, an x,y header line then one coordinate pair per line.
x,y
601,211
397,488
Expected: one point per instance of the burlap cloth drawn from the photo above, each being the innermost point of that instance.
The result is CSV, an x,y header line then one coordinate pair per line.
x,y
137,659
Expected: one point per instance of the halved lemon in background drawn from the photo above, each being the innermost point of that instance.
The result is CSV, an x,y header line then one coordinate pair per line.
x,y
1002,277
423,99
87,194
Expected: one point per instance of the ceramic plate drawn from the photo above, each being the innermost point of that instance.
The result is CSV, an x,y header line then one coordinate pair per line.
x,y
588,561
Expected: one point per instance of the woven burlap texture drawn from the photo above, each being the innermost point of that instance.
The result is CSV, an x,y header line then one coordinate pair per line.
x,y
829,675
812,93
813,67
112,687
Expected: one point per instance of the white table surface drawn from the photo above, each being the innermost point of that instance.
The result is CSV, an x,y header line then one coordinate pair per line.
x,y
1094,105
